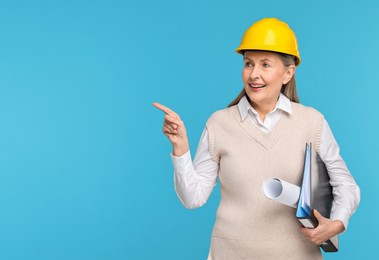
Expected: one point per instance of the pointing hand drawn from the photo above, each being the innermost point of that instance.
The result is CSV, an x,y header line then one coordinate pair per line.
x,y
174,129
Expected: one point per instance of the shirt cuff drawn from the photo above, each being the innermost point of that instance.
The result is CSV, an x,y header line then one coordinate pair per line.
x,y
343,215
180,163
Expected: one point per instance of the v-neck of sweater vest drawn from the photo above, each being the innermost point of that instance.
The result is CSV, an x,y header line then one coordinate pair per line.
x,y
269,139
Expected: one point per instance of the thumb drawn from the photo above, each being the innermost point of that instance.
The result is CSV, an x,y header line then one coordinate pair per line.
x,y
318,216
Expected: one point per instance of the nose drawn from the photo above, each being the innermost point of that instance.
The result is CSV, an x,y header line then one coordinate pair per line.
x,y
255,73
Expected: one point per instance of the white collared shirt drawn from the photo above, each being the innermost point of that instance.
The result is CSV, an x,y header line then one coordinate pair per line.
x,y
194,181
247,111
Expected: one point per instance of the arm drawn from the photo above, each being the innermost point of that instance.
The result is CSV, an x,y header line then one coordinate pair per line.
x,y
194,182
345,190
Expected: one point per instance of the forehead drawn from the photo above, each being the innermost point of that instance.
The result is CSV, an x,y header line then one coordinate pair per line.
x,y
260,55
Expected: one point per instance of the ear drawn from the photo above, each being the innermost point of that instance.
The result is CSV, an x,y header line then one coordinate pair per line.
x,y
289,74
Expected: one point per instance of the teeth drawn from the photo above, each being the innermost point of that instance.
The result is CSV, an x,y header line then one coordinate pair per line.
x,y
257,86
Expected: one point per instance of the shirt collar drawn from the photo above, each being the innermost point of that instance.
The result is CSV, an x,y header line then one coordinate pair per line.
x,y
283,104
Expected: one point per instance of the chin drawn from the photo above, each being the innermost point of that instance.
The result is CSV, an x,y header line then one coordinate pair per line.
x,y
254,98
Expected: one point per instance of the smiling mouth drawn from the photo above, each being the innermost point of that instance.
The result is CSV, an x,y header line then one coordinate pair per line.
x,y
257,86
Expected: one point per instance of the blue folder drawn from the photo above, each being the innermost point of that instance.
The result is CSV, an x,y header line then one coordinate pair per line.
x,y
316,193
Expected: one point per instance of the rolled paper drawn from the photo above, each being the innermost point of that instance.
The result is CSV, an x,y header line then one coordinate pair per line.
x,y
281,191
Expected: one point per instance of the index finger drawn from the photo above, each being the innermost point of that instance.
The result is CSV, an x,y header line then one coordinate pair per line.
x,y
166,110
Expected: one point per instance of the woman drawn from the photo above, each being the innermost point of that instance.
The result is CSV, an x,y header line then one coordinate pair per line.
x,y
261,134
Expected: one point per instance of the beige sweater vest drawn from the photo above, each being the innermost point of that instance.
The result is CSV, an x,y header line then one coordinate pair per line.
x,y
249,225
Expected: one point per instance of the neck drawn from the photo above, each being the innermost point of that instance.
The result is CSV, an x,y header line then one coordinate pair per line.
x,y
264,108
263,111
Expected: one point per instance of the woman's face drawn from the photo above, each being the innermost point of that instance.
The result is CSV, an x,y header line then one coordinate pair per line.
x,y
263,75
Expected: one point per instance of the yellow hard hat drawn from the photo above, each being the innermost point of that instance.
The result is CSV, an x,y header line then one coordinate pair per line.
x,y
270,34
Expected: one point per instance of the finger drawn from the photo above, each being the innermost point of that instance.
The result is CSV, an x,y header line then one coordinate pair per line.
x,y
318,216
166,122
306,231
164,109
173,120
167,130
170,126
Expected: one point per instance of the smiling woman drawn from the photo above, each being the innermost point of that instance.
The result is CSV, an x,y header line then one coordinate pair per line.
x,y
264,75
261,134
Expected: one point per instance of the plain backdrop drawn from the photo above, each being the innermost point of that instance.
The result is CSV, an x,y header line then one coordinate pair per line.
x,y
85,171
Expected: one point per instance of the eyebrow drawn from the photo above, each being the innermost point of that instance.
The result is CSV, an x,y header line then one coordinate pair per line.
x,y
262,60
266,59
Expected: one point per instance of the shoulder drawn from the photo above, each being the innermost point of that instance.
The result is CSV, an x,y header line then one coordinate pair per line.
x,y
224,119
311,120
223,114
300,109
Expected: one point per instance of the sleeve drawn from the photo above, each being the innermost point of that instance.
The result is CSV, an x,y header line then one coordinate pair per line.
x,y
194,181
345,190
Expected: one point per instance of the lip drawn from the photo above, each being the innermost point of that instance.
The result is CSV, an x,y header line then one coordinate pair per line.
x,y
256,86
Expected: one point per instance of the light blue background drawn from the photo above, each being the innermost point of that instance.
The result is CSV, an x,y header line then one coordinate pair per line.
x,y
85,171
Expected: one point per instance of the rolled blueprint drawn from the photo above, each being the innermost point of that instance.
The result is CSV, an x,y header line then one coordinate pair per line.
x,y
281,191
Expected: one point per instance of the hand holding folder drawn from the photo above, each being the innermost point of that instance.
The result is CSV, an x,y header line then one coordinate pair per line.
x,y
314,193
325,229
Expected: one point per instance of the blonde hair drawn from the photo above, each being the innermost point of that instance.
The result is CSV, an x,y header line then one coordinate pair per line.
x,y
289,89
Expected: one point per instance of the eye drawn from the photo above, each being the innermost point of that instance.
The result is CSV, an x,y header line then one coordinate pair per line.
x,y
248,64
266,65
